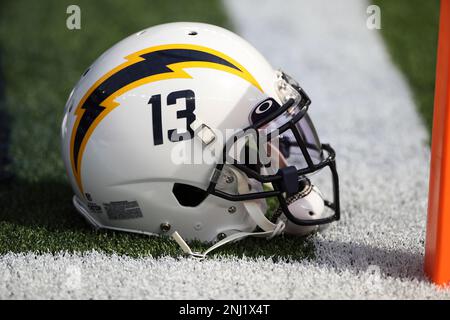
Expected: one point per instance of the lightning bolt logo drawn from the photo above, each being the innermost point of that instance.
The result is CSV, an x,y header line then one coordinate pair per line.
x,y
145,66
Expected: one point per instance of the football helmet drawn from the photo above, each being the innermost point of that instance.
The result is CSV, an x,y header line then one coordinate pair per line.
x,y
185,129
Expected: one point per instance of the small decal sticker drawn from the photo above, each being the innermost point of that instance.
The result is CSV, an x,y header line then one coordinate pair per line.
x,y
122,210
263,109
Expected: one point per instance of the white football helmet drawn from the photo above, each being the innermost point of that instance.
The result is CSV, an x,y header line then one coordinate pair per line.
x,y
158,132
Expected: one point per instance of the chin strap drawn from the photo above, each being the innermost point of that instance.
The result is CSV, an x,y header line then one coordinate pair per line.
x,y
269,228
233,237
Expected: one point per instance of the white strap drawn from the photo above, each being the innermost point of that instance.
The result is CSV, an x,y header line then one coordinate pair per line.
x,y
233,237
254,210
183,245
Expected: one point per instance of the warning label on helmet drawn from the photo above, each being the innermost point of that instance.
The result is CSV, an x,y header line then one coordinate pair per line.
x,y
121,210
94,208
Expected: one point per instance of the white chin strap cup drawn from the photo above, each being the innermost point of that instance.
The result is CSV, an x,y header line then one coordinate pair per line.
x,y
309,207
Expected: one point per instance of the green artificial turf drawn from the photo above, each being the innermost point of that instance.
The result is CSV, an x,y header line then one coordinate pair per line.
x,y
41,62
410,29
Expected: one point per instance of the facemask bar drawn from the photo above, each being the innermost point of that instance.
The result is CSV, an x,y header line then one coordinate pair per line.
x,y
284,179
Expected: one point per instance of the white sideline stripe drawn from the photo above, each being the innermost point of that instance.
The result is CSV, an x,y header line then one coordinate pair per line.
x,y
362,105
99,276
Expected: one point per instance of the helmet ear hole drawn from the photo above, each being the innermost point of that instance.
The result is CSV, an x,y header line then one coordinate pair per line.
x,y
187,195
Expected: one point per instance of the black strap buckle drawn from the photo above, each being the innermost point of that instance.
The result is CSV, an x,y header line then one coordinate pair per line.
x,y
289,181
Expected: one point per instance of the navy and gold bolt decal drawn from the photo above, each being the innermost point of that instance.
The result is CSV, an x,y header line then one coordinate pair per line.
x,y
145,66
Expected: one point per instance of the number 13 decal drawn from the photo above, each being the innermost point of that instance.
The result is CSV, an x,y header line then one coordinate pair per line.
x,y
187,113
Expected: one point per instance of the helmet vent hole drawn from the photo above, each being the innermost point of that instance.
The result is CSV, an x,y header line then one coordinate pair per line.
x,y
192,33
71,106
85,72
311,213
187,195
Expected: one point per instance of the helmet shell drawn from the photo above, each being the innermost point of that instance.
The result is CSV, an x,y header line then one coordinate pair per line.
x,y
123,178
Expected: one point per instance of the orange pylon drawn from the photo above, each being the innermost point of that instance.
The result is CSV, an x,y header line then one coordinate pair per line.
x,y
437,247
